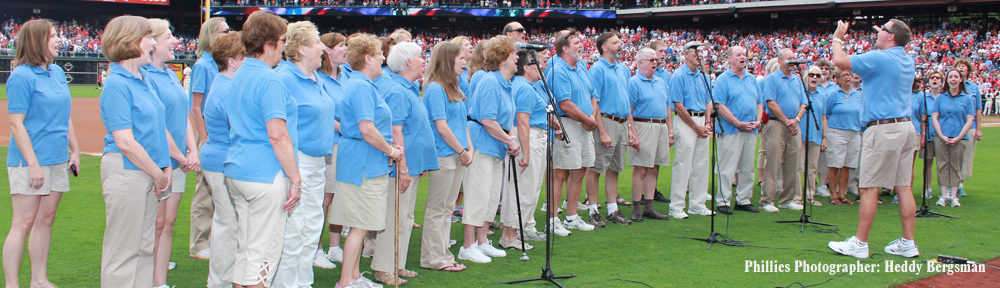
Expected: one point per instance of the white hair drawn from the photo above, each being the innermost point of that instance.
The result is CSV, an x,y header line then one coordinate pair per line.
x,y
642,54
812,69
399,54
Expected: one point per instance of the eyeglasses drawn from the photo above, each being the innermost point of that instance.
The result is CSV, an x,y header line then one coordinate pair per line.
x,y
814,75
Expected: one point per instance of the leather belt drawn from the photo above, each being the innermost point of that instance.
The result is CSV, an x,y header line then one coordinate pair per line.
x,y
650,120
888,121
697,113
614,118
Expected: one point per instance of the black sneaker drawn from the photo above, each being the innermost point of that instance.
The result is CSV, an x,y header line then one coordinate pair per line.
x,y
725,210
748,208
658,197
595,219
618,218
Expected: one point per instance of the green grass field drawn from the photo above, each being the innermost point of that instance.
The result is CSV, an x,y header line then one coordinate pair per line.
x,y
650,252
78,91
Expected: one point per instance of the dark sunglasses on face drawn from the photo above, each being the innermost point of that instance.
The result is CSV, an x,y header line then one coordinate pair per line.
x,y
814,75
936,77
519,30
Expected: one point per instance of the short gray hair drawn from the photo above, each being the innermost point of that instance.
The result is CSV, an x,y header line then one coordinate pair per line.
x,y
812,69
642,54
400,54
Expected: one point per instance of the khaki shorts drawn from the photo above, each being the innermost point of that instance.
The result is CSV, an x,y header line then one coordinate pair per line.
x,y
362,206
610,158
56,180
654,145
579,153
331,171
843,148
887,156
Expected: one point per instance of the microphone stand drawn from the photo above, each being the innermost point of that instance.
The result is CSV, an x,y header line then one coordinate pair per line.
x,y
713,237
804,219
547,274
924,211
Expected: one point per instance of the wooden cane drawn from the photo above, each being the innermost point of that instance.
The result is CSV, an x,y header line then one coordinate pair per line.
x,y
395,235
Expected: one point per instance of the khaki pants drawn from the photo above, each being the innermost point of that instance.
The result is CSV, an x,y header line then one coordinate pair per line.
x,y
814,156
261,232
529,184
736,153
949,162
969,155
202,212
482,189
690,167
442,192
781,156
223,243
130,214
384,259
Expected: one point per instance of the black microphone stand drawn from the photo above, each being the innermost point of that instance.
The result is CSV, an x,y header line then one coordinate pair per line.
x,y
804,219
547,274
924,211
713,237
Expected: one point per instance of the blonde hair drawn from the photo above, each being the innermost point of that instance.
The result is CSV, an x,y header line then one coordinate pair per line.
x,y
33,42
441,69
209,30
122,36
399,33
458,40
299,34
771,66
359,46
478,56
158,26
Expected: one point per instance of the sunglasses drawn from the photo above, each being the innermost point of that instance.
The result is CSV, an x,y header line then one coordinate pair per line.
x,y
936,77
519,30
881,28
814,75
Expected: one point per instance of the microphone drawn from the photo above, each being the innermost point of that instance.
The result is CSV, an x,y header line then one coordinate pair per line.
x,y
795,62
520,45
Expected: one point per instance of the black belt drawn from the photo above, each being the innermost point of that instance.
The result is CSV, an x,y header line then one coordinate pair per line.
x,y
697,113
888,121
614,118
650,120
484,126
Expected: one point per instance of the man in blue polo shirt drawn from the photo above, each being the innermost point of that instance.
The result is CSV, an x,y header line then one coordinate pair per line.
x,y
572,89
611,112
736,94
689,97
784,102
889,141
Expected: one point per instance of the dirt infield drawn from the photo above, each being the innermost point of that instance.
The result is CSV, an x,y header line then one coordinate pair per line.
x,y
968,279
86,115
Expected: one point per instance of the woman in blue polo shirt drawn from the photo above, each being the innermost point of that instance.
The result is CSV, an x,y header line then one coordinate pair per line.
x,y
176,106
445,104
38,161
363,159
490,117
843,134
315,128
229,55
952,116
816,143
135,168
261,171
331,75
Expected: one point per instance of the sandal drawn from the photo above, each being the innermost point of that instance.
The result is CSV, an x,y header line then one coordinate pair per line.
x,y
453,267
389,280
845,200
403,273
835,201
815,203
415,225
622,202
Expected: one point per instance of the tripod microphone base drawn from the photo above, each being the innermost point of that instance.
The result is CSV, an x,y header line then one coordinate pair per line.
x,y
714,237
547,275
924,212
804,220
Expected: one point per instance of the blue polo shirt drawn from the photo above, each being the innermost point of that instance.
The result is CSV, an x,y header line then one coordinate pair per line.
x,y
662,73
568,83
474,82
128,102
333,89
345,73
526,100
203,73
784,90
610,81
815,126
175,103
491,101
44,97
384,81
257,96
739,96
973,90
688,88
356,159
930,105
953,111
648,97
843,110
315,109
439,107
888,75
463,81
403,99
917,109
213,153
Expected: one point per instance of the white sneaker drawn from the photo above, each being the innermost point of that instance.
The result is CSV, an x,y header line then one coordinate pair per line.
x,y
896,247
942,201
452,242
321,261
491,251
171,265
201,255
954,202
545,207
851,247
578,224
852,190
473,254
928,194
701,211
336,254
822,191
677,214
791,205
559,229
769,208
344,232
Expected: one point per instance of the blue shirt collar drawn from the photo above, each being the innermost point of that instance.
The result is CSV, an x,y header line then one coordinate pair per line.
x,y
504,83
118,69
606,63
359,75
254,62
561,62
152,69
403,81
298,72
687,70
39,69
520,79
643,77
207,55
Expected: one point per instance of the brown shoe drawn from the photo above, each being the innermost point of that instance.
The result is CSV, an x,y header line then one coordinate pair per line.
x,y
636,214
649,211
617,217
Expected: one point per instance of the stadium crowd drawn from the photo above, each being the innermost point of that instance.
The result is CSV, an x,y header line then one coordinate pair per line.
x,y
591,4
77,37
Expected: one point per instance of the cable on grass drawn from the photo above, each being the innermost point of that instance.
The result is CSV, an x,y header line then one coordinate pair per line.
x,y
622,280
841,274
